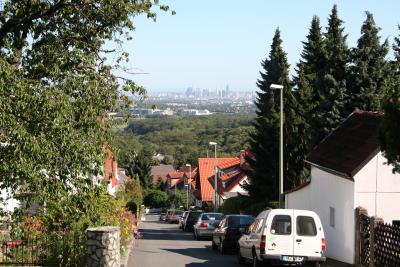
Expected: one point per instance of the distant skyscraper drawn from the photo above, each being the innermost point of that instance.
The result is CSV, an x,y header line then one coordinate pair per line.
x,y
189,91
227,92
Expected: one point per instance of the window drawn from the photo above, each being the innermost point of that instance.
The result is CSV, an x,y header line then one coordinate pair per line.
x,y
240,221
306,226
331,217
253,227
281,225
260,225
211,217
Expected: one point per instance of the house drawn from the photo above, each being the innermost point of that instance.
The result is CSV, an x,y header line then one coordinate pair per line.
x,y
348,170
231,177
178,180
160,171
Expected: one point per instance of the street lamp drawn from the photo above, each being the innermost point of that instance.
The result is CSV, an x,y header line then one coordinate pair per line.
x,y
215,177
188,185
280,87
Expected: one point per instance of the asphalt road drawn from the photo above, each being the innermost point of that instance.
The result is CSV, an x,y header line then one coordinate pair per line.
x,y
165,245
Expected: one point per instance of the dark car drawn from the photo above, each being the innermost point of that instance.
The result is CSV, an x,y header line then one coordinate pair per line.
x,y
191,220
230,229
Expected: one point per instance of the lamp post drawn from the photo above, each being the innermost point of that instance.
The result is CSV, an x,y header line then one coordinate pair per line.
x,y
216,173
280,87
188,185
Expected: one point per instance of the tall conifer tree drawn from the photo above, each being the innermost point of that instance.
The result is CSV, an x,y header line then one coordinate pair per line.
x,y
264,142
313,60
369,68
390,128
332,108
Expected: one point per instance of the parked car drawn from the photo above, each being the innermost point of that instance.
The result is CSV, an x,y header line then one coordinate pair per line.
x,y
175,216
182,219
154,210
163,216
228,232
191,220
206,225
284,236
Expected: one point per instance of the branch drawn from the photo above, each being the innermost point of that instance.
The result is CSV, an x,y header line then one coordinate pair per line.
x,y
13,23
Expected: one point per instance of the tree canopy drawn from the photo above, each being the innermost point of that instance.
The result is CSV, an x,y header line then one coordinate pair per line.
x,y
56,85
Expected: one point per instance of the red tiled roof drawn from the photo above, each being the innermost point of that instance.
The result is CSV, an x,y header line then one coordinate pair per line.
x,y
176,175
110,167
206,170
350,146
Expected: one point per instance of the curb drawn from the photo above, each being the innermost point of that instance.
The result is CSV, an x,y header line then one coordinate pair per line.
x,y
125,257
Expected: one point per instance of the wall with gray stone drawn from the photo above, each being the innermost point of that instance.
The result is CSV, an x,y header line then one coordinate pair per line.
x,y
103,246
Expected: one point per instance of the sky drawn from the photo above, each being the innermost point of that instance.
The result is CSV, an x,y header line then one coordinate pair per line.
x,y
214,43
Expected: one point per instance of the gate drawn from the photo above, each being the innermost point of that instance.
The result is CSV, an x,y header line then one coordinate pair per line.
x,y
365,234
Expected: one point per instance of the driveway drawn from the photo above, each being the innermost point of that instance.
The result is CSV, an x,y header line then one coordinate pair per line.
x,y
164,245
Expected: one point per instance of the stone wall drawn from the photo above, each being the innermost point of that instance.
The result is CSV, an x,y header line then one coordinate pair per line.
x,y
103,247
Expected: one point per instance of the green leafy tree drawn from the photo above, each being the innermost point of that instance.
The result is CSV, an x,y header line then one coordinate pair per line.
x,y
369,68
56,86
131,190
177,199
155,198
265,139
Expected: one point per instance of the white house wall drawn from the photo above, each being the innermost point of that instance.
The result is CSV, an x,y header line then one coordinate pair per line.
x,y
239,187
324,192
377,189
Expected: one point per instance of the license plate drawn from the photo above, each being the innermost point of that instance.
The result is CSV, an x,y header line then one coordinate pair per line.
x,y
291,258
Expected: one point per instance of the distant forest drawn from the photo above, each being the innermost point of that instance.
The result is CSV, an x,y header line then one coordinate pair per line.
x,y
185,139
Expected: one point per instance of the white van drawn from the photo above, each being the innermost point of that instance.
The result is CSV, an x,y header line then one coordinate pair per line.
x,y
285,236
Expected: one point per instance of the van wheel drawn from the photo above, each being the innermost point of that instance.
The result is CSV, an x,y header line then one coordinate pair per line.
x,y
239,257
317,264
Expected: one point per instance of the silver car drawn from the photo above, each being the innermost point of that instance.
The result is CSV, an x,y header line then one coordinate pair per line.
x,y
206,224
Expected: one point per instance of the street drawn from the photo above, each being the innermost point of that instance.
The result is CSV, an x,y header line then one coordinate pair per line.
x,y
165,245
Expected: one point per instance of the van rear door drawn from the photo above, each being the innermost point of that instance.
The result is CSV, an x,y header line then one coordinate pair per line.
x,y
307,234
279,234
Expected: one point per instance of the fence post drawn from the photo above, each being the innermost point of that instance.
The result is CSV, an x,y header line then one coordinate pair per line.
x,y
103,246
357,238
373,223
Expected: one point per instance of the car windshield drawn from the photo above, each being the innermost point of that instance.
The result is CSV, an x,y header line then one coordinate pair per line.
x,y
211,217
240,221
178,212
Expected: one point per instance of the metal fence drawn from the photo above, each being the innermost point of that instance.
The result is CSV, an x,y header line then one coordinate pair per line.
x,y
49,251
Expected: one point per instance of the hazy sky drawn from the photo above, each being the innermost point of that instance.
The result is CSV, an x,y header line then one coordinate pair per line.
x,y
212,43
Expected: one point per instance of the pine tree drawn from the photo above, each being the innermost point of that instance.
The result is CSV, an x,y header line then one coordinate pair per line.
x,y
313,61
332,108
390,128
369,68
265,139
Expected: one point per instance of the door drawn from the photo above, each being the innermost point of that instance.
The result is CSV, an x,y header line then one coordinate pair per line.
x,y
307,240
247,240
219,231
279,234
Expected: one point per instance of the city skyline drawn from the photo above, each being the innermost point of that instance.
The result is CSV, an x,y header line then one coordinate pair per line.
x,y
210,44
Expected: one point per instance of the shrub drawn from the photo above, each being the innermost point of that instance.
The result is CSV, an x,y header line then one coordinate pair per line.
x,y
245,204
155,198
131,206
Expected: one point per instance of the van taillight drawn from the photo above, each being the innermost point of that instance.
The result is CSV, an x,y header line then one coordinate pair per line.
x,y
262,242
323,244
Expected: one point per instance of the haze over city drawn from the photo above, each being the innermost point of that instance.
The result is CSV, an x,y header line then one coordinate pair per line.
x,y
209,44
